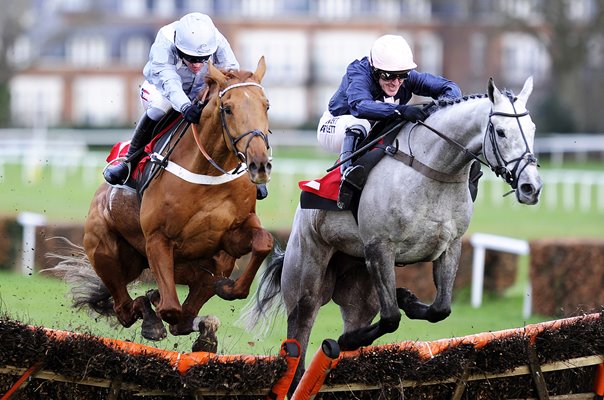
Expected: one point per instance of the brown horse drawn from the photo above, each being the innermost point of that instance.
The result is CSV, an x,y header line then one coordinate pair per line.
x,y
187,233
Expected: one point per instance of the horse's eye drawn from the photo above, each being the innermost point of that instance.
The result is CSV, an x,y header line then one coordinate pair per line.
x,y
227,110
500,132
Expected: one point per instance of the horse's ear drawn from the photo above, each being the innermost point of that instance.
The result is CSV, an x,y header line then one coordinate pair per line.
x,y
491,89
215,75
260,70
493,92
526,91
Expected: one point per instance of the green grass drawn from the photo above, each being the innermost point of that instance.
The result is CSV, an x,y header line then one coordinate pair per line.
x,y
41,301
70,202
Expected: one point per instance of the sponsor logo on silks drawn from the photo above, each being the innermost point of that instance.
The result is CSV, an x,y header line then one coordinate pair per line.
x,y
328,128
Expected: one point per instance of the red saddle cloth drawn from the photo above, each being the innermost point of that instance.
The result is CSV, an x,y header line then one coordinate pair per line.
x,y
327,187
120,149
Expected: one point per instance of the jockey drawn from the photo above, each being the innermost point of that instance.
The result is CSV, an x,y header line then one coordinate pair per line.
x,y
375,88
174,75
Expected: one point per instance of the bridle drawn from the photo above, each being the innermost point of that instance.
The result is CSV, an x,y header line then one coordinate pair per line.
x,y
501,169
232,140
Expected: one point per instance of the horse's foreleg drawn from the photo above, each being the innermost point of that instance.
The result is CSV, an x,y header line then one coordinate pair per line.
x,y
200,291
380,264
161,261
152,327
262,243
444,271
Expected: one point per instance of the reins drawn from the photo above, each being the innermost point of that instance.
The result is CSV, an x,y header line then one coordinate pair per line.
x,y
455,143
500,169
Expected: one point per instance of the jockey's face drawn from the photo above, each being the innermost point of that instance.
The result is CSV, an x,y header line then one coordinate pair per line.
x,y
194,67
391,87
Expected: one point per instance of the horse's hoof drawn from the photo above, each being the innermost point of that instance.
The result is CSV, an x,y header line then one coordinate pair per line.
x,y
207,344
224,289
207,340
415,309
437,316
154,332
349,341
405,298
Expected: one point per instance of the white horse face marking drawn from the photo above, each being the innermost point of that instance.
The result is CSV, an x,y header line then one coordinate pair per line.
x,y
508,144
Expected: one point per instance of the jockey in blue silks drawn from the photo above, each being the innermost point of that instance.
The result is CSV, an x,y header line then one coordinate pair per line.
x,y
375,88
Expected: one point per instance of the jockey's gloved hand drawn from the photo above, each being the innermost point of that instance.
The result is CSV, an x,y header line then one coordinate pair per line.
x,y
411,113
191,113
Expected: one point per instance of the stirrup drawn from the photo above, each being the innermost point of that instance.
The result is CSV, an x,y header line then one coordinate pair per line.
x,y
345,196
118,162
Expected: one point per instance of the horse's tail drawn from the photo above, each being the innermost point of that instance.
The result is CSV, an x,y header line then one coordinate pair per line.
x,y
266,303
87,289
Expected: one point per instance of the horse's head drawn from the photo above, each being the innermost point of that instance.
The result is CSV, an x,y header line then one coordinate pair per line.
x,y
508,142
243,110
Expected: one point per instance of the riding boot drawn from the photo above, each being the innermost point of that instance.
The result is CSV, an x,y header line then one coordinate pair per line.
x,y
354,135
353,177
118,174
261,191
475,174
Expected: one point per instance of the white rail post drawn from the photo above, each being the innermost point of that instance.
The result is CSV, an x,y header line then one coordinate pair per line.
x,y
29,221
482,241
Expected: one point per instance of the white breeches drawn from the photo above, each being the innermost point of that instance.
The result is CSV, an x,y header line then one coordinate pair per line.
x,y
154,103
331,130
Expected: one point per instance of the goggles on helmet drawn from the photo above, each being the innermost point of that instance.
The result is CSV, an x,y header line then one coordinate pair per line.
x,y
193,59
390,76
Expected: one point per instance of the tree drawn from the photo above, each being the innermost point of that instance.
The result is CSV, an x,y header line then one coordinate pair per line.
x,y
573,33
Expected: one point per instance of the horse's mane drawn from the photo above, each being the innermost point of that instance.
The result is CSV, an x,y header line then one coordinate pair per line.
x,y
438,105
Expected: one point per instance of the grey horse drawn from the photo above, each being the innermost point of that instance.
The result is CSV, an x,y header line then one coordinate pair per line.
x,y
407,214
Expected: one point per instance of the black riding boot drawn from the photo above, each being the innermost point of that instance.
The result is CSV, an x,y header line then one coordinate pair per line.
x,y
475,174
118,174
353,177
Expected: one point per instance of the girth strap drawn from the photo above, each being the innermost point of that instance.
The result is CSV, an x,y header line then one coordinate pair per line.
x,y
422,168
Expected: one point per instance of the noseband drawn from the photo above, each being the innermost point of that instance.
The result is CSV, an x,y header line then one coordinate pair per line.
x,y
501,169
249,134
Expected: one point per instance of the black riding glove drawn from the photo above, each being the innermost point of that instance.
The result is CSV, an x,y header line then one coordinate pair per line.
x,y
191,113
411,113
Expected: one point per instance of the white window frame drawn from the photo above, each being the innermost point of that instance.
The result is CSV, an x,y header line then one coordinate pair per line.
x,y
88,50
522,55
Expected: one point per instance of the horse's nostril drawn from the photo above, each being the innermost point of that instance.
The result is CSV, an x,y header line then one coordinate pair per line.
x,y
253,167
269,167
527,188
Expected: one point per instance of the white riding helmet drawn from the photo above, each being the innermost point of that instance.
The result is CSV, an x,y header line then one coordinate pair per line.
x,y
196,35
392,53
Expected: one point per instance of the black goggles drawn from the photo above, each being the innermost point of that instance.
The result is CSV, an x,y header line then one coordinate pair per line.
x,y
193,59
390,76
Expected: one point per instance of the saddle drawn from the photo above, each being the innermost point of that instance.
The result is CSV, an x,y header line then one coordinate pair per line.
x,y
145,171
322,193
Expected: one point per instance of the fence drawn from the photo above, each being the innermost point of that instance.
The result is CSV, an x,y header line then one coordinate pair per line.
x,y
67,158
